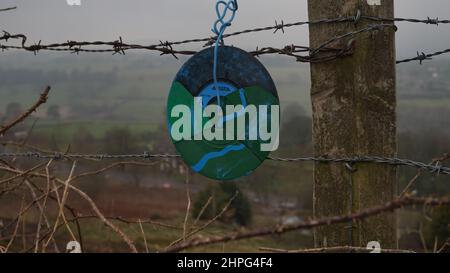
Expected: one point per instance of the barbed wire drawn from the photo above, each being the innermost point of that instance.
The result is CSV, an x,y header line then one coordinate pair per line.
x,y
352,34
434,169
422,56
348,19
166,48
282,26
7,9
428,21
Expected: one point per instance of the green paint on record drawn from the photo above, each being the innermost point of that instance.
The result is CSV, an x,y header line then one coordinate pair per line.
x,y
226,159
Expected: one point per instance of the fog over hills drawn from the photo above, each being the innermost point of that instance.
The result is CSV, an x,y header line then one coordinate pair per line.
x,y
150,21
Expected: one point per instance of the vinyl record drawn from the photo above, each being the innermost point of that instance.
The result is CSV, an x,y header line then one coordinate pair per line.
x,y
242,80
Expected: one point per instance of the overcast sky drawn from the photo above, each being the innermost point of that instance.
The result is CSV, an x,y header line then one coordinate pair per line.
x,y
148,21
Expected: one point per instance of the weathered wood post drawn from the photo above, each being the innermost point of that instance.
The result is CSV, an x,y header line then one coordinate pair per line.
x,y
354,114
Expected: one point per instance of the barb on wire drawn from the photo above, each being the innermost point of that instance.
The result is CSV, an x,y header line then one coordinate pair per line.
x,y
423,57
279,27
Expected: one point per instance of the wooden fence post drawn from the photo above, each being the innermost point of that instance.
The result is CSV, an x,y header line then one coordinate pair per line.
x,y
354,114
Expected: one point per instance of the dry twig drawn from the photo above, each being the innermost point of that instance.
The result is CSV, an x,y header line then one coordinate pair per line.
x,y
143,236
207,224
42,99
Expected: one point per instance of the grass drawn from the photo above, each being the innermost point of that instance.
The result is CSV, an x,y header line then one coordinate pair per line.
x,y
98,129
99,238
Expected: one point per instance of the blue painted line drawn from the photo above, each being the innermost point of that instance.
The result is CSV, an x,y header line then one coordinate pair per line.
x,y
202,163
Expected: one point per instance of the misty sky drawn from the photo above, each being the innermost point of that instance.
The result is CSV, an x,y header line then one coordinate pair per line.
x,y
148,21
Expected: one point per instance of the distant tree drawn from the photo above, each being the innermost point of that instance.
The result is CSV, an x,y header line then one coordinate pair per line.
x,y
119,141
122,141
239,211
241,204
83,140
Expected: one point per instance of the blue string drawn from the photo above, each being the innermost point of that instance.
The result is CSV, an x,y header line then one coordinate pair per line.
x,y
228,5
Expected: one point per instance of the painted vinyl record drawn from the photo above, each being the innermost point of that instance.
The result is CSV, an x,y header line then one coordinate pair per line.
x,y
242,80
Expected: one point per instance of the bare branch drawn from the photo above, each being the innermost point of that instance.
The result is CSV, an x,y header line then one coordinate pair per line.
x,y
207,224
42,99
62,202
445,247
419,173
94,207
390,206
16,227
188,207
143,236
205,206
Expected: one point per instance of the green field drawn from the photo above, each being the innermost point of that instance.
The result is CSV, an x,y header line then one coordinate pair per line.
x,y
98,129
